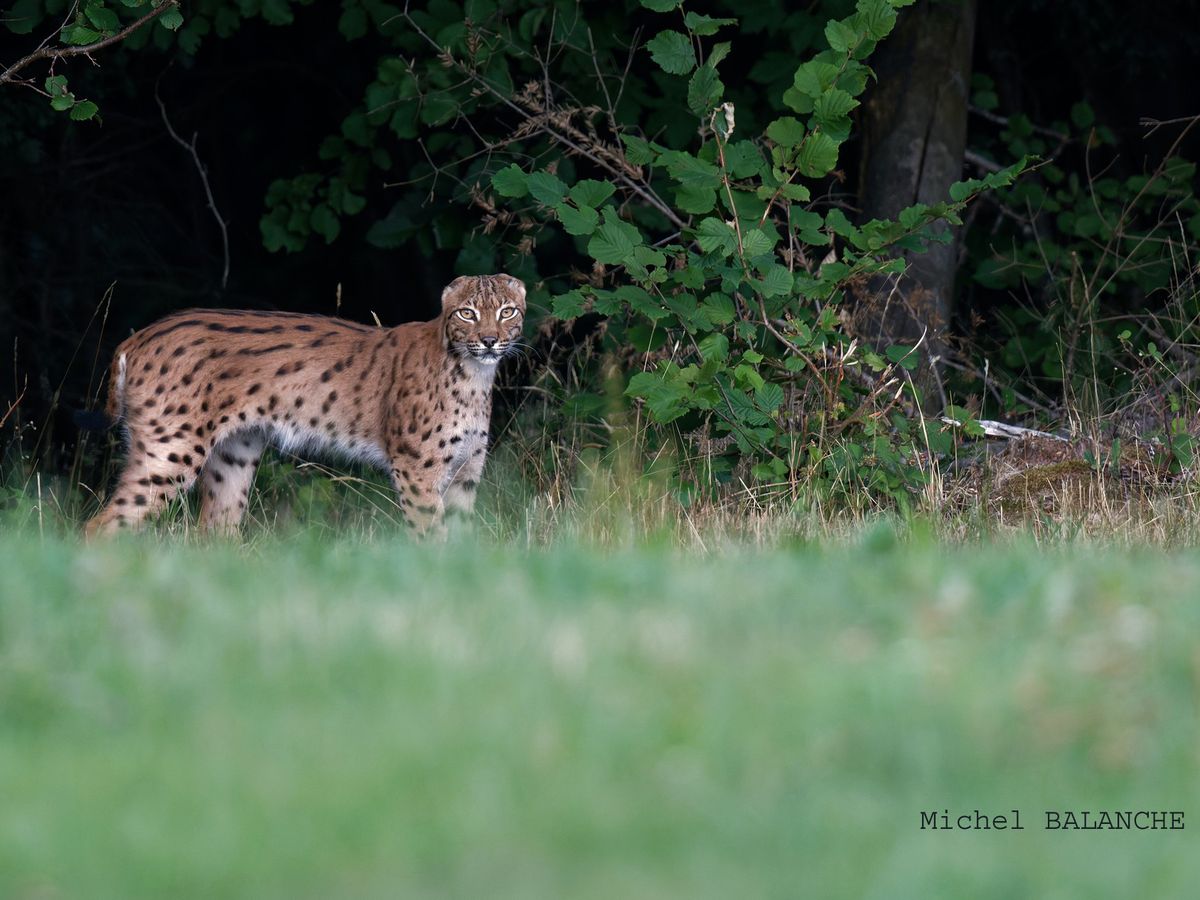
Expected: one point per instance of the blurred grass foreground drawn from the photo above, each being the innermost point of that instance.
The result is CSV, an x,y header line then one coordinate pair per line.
x,y
326,718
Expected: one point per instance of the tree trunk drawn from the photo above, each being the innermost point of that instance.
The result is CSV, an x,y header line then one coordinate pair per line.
x,y
914,135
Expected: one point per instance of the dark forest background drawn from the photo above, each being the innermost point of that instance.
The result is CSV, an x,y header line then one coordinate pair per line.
x,y
104,223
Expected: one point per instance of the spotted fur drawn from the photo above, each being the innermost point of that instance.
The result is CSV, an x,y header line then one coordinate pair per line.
x,y
202,393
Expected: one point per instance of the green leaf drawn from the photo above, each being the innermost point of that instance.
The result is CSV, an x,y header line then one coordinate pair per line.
x,y
718,53
643,256
696,199
277,12
640,301
719,309
833,106
743,159
987,100
876,17
638,151
965,420
77,35
814,77
83,110
570,305
741,407
715,235
906,357
577,221
769,396
438,108
22,16
797,101
755,242
961,190
546,188
590,192
614,240
324,222
705,25
171,19
63,102
663,396
704,90
818,155
842,36
353,23
786,131
102,17
777,281
836,221
796,192
714,346
673,52
511,182
1082,115
688,170
661,5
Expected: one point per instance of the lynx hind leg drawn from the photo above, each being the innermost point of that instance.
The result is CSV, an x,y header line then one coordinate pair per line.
x,y
226,480
147,483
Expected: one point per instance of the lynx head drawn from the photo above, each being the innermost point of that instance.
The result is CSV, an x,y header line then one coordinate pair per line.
x,y
482,316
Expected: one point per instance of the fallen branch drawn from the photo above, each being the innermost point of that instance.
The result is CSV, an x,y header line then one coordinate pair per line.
x,y
1004,430
56,53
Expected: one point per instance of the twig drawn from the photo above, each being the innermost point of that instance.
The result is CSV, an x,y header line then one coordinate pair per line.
x,y
1003,120
1028,401
13,406
981,162
1155,124
203,172
56,53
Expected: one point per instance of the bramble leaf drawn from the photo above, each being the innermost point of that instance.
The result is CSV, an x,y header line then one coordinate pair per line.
x,y
704,90
546,188
590,192
787,131
673,52
577,221
511,182
705,25
715,235
614,240
83,110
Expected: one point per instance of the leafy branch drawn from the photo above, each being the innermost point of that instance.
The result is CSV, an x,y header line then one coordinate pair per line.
x,y
47,52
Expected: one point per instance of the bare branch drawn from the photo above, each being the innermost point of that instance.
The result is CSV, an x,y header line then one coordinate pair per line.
x,y
56,53
190,147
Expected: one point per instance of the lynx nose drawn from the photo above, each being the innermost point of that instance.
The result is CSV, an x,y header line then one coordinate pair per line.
x,y
488,342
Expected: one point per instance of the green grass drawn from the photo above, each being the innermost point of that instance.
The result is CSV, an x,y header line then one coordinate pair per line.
x,y
314,717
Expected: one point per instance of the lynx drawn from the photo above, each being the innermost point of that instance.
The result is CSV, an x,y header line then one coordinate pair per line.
x,y
202,393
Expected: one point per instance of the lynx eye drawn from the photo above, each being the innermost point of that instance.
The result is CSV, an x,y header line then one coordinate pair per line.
x,y
468,315
507,312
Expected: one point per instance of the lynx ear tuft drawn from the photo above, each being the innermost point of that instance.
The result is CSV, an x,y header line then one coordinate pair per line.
x,y
454,287
514,284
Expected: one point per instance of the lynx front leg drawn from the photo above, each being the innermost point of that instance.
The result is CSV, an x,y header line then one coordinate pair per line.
x,y
459,496
416,492
226,480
